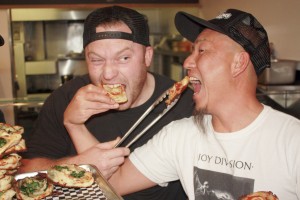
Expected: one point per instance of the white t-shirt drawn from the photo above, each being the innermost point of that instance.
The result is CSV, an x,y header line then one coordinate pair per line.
x,y
264,156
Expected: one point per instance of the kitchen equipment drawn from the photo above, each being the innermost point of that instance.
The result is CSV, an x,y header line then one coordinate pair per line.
x,y
280,72
158,100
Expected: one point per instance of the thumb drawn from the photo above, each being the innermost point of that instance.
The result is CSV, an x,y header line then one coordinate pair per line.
x,y
110,144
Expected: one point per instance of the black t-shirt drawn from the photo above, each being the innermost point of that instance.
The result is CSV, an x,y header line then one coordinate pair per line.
x,y
2,119
50,138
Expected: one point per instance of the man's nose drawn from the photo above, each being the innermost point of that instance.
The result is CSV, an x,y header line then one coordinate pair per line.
x,y
110,70
189,62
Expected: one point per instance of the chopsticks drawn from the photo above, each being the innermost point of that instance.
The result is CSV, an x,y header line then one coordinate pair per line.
x,y
153,105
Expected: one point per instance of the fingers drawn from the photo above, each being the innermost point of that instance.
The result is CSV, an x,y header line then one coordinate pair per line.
x,y
88,101
106,160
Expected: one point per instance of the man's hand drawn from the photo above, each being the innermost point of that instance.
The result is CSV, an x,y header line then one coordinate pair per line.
x,y
88,101
104,156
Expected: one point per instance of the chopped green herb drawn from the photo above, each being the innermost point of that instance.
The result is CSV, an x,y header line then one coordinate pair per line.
x,y
59,168
2,142
29,188
77,175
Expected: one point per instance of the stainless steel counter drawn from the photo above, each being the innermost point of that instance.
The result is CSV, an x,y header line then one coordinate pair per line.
x,y
284,97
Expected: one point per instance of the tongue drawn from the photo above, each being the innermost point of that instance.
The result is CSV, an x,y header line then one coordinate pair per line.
x,y
197,87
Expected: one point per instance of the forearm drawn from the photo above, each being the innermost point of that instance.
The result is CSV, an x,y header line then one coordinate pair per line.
x,y
81,137
128,179
38,164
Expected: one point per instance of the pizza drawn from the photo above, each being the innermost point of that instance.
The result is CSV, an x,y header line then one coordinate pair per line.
x,y
19,147
33,188
260,195
8,140
177,89
7,194
70,175
116,92
10,162
11,129
5,182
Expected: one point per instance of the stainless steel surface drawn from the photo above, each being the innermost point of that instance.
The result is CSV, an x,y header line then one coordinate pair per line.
x,y
285,95
70,66
158,100
280,72
292,87
104,185
44,14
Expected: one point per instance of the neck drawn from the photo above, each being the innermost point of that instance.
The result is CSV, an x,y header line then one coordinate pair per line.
x,y
146,91
236,115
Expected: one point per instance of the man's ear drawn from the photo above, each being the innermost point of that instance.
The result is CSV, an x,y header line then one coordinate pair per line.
x,y
148,56
240,64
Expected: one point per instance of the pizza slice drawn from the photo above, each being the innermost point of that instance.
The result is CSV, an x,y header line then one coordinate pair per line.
x,y
19,147
70,175
5,182
11,129
260,195
116,92
9,162
33,188
7,194
177,89
7,141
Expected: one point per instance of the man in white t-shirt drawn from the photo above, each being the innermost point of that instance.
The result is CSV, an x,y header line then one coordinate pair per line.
x,y
233,142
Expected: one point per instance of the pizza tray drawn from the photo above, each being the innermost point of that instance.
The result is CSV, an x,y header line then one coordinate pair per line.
x,y
100,190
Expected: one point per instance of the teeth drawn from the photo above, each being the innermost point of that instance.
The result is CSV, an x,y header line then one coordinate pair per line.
x,y
194,80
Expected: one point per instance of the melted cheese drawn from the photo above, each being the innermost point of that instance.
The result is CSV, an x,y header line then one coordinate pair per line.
x,y
63,175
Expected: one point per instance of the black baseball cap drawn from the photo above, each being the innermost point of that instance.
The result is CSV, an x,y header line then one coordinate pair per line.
x,y
240,26
137,23
1,41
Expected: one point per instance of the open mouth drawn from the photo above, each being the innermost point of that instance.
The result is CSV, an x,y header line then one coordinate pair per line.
x,y
196,83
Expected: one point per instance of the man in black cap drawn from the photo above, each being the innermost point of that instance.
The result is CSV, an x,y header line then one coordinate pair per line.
x,y
234,142
2,119
80,113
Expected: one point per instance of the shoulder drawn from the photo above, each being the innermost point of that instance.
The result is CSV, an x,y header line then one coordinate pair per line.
x,y
281,126
280,118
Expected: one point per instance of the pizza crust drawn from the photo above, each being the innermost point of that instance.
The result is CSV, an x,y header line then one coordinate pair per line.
x,y
11,129
5,182
70,175
7,141
7,194
19,147
260,195
33,188
10,162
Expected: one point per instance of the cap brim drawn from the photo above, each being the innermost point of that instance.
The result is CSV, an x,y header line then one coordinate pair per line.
x,y
190,26
1,41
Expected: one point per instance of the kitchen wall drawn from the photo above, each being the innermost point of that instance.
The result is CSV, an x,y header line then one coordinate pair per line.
x,y
5,64
279,17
